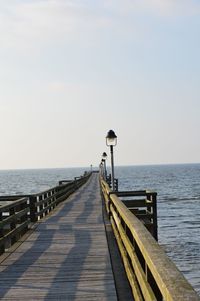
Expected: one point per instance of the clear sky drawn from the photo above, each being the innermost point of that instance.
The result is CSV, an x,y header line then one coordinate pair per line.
x,y
72,70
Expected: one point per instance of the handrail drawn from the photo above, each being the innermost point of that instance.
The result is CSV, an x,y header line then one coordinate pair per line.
x,y
14,222
43,203
143,204
152,275
17,212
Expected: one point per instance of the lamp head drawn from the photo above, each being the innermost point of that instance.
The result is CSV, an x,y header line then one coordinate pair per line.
x,y
104,156
111,138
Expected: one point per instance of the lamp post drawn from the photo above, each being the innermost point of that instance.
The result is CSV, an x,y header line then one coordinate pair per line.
x,y
111,140
103,168
104,157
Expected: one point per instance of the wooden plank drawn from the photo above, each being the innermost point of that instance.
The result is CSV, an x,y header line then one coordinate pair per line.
x,y
131,277
10,204
14,231
141,278
171,283
133,193
13,217
135,203
66,257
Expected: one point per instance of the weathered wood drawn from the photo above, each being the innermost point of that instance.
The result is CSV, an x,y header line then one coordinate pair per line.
x,y
66,257
2,247
128,246
6,205
130,275
133,193
42,203
14,217
165,279
13,222
137,206
135,203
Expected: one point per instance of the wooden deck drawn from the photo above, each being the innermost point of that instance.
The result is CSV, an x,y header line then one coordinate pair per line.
x,y
65,257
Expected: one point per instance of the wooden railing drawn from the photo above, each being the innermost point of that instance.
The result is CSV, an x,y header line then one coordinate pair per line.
x,y
142,204
13,222
17,212
109,181
151,274
43,203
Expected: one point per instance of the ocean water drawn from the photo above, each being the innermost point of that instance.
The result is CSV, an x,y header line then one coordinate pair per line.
x,y
178,188
29,181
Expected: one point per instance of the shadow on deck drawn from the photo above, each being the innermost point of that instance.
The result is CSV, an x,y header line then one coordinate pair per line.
x,y
66,257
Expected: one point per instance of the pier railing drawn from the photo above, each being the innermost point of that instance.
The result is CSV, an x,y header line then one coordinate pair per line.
x,y
17,212
43,203
13,222
151,274
143,204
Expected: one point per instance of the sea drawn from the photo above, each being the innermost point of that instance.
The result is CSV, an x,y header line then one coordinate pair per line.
x,y
178,188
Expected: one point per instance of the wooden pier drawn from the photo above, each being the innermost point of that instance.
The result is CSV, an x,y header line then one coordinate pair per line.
x,y
64,257
57,245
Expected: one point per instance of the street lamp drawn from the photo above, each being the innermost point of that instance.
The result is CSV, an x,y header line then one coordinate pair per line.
x,y
101,168
104,157
111,140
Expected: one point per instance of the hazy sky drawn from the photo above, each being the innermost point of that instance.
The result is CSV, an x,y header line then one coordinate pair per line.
x,y
72,70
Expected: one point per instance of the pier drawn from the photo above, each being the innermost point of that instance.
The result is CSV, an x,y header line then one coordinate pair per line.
x,y
61,244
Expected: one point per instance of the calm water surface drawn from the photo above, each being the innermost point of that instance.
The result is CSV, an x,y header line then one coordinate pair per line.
x,y
29,181
178,188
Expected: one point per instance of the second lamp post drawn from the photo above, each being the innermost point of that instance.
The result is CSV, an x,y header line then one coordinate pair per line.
x,y
111,140
104,157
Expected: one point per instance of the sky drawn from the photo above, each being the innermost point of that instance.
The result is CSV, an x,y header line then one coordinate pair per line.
x,y
70,70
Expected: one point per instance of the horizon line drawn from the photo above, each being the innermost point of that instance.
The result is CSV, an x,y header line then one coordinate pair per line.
x,y
94,166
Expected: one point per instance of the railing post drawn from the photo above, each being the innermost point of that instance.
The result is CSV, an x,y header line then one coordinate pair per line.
x,y
12,225
57,195
33,208
108,180
24,217
155,221
153,284
41,207
152,208
49,201
44,204
53,198
2,246
116,184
